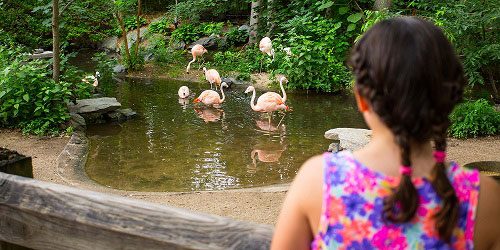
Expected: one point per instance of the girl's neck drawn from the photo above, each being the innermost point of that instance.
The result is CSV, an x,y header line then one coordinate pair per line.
x,y
383,154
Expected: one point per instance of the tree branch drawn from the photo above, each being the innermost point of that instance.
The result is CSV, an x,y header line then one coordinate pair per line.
x,y
65,7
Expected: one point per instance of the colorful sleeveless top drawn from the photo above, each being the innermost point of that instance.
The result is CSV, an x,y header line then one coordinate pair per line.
x,y
353,196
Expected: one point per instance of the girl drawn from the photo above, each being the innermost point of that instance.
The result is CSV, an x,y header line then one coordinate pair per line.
x,y
398,192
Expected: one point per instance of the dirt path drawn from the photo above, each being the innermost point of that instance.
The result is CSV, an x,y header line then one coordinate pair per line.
x,y
257,205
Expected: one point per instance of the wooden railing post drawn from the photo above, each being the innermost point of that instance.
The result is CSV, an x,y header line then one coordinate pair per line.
x,y
16,164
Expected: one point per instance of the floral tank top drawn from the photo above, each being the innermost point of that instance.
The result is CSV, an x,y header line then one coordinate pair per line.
x,y
353,196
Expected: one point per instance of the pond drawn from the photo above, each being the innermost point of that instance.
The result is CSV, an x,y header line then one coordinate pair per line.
x,y
178,146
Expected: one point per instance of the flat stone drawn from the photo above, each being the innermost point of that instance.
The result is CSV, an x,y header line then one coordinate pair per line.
x,y
350,138
245,28
95,105
334,147
45,54
128,113
118,68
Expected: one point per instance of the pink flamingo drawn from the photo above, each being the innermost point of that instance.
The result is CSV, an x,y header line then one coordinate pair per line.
x,y
210,97
183,92
197,50
283,99
93,79
267,102
266,46
212,76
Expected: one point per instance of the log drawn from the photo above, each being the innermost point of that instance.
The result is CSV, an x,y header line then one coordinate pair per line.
x,y
44,215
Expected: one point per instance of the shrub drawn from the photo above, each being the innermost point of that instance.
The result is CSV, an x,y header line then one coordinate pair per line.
x,y
135,61
160,27
162,52
30,99
187,33
208,29
236,37
104,65
471,119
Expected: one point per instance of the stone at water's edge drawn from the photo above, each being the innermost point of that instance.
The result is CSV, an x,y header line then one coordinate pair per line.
x,y
109,44
207,42
128,113
77,122
96,105
350,138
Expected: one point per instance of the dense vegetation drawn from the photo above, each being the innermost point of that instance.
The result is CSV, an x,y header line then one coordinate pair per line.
x,y
319,34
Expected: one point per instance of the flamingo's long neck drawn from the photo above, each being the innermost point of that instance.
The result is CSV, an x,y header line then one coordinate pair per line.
x,y
223,96
252,105
283,90
189,64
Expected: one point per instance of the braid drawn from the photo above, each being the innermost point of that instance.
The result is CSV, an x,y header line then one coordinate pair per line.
x,y
447,217
402,204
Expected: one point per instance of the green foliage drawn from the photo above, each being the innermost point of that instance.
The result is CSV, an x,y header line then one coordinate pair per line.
x,y
29,98
131,22
160,27
471,119
135,61
209,29
187,33
162,52
104,65
236,37
320,48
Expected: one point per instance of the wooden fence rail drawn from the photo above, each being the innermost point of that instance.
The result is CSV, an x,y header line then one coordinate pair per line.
x,y
44,215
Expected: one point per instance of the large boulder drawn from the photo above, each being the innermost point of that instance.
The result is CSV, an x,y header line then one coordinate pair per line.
x,y
179,45
109,44
77,122
245,28
94,106
349,138
207,42
118,68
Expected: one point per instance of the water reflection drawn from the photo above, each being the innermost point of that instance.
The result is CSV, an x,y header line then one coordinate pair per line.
x,y
209,114
183,102
178,146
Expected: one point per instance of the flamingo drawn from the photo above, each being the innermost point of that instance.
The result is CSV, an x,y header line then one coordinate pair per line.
x,y
93,79
183,92
197,50
283,99
288,51
266,46
212,76
267,102
210,97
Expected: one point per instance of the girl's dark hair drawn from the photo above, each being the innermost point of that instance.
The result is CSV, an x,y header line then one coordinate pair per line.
x,y
407,70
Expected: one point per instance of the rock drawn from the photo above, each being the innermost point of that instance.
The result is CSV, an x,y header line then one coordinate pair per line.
x,y
245,28
118,68
207,42
179,45
77,122
97,95
350,138
228,80
497,107
45,54
94,106
149,57
109,44
38,51
115,116
334,147
128,113
132,36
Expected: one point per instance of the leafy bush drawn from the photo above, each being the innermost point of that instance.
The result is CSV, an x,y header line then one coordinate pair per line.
x,y
135,61
131,22
209,29
236,37
471,119
162,52
187,33
160,27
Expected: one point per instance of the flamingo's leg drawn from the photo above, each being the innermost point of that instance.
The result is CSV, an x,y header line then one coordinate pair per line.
x,y
269,129
281,120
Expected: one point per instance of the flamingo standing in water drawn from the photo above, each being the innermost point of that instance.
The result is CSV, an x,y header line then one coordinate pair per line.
x,y
183,92
212,76
93,79
197,50
210,97
267,102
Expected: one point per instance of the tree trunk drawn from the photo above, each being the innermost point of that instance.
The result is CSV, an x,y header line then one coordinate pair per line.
x,y
270,20
254,22
495,95
382,4
119,16
56,65
138,41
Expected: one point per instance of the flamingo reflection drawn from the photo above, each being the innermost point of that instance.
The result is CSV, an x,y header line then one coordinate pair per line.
x,y
209,114
267,152
184,102
266,126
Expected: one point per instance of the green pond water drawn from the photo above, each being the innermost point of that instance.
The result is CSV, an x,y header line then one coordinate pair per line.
x,y
178,146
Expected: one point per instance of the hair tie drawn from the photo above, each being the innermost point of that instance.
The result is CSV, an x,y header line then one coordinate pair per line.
x,y
439,156
405,170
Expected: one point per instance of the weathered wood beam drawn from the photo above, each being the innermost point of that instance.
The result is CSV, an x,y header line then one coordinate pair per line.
x,y
44,215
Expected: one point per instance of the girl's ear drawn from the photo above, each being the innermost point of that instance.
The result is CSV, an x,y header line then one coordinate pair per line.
x,y
361,101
